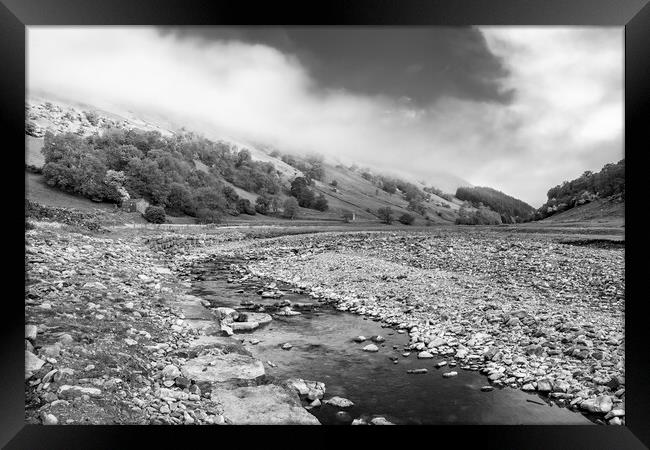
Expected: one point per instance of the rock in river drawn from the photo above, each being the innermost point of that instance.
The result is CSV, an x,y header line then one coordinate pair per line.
x,y
371,348
425,355
262,405
339,402
221,368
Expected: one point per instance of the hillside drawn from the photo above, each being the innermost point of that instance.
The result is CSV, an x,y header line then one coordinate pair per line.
x,y
352,193
589,187
601,212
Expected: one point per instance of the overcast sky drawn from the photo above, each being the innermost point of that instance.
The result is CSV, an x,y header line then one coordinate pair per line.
x,y
519,109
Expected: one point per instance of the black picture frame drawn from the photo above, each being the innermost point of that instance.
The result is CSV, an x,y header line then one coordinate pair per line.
x,y
634,15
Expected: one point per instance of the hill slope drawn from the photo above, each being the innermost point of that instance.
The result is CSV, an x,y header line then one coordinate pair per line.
x,y
352,192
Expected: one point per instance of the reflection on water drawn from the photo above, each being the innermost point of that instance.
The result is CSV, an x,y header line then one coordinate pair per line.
x,y
323,350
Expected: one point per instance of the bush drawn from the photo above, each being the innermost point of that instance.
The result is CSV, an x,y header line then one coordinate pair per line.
x,y
290,210
205,216
92,117
244,207
406,219
320,203
154,214
262,204
385,215
347,215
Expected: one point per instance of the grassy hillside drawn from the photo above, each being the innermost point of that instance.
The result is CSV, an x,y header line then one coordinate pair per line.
x,y
605,212
352,193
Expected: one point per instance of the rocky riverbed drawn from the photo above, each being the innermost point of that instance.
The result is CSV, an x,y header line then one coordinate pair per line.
x,y
526,311
112,335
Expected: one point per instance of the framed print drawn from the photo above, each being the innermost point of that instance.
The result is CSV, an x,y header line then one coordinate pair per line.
x,y
352,214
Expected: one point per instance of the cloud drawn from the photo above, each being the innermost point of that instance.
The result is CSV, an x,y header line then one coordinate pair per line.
x,y
566,103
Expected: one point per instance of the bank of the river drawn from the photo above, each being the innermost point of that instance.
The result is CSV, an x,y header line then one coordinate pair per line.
x,y
112,337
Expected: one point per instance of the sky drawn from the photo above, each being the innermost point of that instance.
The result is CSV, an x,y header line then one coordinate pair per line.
x,y
519,109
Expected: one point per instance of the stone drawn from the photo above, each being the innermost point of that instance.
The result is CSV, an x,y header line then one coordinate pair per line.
x,y
425,355
371,348
615,421
360,339
378,339
544,385
441,364
130,342
226,330
598,405
170,372
222,368
339,402
262,405
32,364
450,374
244,326
30,332
260,318
417,371
49,419
380,421
343,417
487,388
286,346
67,391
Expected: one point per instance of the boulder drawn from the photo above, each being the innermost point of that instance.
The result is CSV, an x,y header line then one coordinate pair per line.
x,y
339,402
371,348
222,368
262,405
32,364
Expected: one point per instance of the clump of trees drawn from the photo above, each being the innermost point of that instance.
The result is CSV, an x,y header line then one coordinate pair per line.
x,y
306,197
407,219
155,214
610,181
163,170
509,208
385,215
311,166
290,208
479,216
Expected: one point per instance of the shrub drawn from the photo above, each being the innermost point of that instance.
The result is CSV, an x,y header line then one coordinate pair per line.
x,y
263,204
406,219
92,117
244,207
385,215
347,215
320,203
155,214
334,183
205,216
290,210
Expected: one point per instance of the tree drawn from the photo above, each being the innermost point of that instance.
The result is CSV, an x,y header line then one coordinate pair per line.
x,y
263,204
205,216
385,215
320,203
407,219
334,183
290,208
154,214
244,206
180,199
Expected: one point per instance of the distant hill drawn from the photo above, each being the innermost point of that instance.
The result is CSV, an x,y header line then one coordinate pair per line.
x,y
509,208
609,183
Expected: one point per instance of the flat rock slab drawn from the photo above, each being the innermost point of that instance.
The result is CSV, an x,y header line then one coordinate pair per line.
x,y
193,308
260,318
222,368
262,405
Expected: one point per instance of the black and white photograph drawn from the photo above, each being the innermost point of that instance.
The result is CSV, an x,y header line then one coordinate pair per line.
x,y
325,225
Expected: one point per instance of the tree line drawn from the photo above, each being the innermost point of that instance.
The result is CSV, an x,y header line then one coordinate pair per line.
x,y
509,209
162,170
609,181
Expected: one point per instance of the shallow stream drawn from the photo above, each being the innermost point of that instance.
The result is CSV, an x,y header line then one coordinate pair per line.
x,y
324,350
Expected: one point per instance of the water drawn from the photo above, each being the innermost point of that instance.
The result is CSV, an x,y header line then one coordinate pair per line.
x,y
324,350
